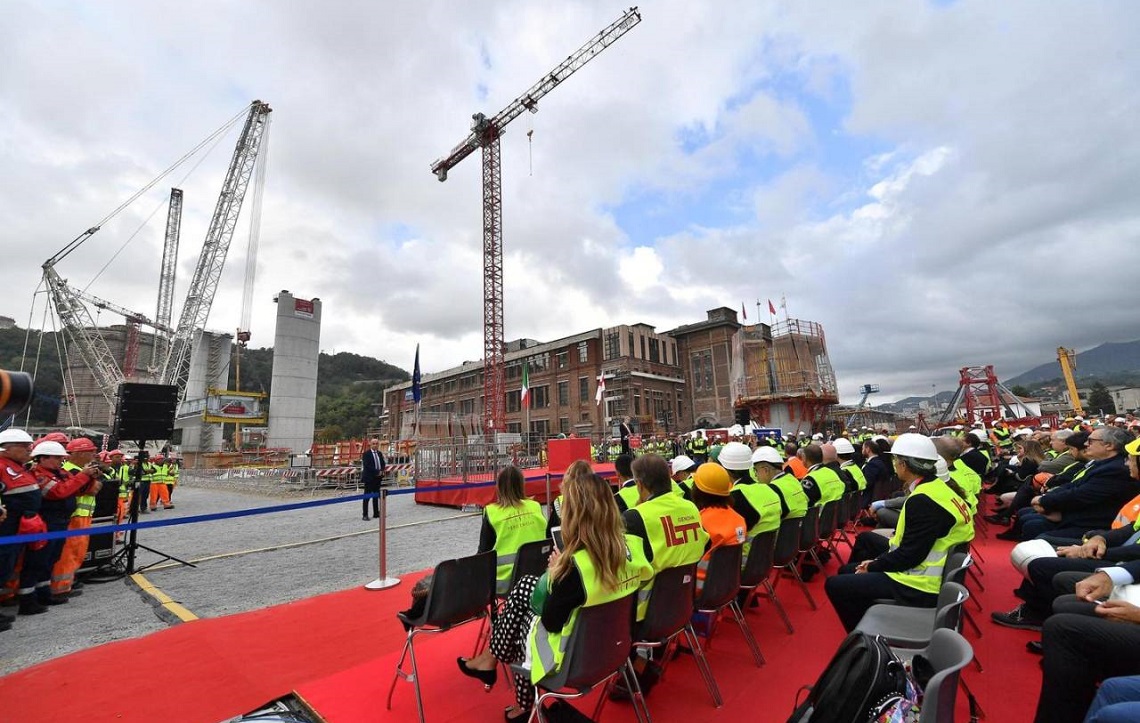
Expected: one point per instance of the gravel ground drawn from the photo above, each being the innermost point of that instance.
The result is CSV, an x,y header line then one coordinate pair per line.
x,y
261,573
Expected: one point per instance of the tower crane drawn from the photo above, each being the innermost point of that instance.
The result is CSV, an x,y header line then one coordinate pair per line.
x,y
167,274
1067,358
485,134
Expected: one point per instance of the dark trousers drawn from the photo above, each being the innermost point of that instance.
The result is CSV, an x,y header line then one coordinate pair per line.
x,y
372,488
1032,524
852,594
1039,591
1080,651
144,494
868,546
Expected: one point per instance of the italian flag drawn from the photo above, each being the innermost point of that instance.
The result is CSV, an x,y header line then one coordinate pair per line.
x,y
525,396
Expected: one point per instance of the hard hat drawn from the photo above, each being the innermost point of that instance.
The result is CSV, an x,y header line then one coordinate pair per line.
x,y
843,446
15,436
1026,552
681,463
713,479
1078,418
942,470
980,435
80,444
49,449
915,446
1046,425
735,455
817,435
55,437
1023,433
978,424
1133,447
113,452
157,458
767,454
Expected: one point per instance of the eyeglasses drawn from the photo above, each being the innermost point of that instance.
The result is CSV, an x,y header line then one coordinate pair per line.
x,y
1090,440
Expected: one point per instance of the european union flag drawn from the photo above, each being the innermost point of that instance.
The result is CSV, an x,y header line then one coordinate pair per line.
x,y
417,392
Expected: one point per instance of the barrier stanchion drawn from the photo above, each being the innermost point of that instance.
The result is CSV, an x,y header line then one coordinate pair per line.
x,y
383,582
549,499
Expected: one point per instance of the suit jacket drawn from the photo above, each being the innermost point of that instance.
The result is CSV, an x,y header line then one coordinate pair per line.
x,y
1093,500
624,430
370,471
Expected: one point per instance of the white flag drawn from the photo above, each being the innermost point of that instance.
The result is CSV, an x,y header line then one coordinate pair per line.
x,y
601,389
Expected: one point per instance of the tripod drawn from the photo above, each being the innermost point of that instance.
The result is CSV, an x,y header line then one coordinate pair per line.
x,y
123,562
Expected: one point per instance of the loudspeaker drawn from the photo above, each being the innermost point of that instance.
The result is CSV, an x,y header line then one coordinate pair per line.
x,y
145,411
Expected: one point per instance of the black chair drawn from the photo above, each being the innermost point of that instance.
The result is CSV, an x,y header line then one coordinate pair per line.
x,y
530,559
669,616
828,521
786,557
722,583
461,592
596,653
757,571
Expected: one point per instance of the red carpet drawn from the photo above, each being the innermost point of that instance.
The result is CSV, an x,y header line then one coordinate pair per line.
x,y
338,652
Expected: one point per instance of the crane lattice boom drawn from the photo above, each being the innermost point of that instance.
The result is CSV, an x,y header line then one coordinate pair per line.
x,y
485,134
169,264
204,285
80,328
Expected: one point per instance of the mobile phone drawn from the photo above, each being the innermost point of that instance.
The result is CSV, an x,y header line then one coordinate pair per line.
x,y
1098,602
556,536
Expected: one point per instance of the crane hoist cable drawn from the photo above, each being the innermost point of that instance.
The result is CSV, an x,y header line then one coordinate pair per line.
x,y
78,241
217,138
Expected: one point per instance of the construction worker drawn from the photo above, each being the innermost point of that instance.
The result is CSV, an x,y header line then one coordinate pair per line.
x,y
173,474
509,522
20,500
147,479
81,452
908,568
120,473
760,505
768,468
700,448
668,525
713,496
1003,437
821,484
794,465
846,452
159,491
682,468
58,490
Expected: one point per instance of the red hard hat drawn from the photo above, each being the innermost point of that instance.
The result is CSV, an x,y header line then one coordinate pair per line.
x,y
114,452
55,437
81,444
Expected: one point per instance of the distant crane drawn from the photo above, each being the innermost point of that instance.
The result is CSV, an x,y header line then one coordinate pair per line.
x,y
858,415
70,304
167,274
1067,358
485,134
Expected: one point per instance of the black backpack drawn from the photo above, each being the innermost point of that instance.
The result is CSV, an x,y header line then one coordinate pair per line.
x,y
863,679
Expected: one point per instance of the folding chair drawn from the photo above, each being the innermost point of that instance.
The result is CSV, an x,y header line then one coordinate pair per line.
x,y
948,652
530,559
912,627
788,545
461,592
757,571
669,616
596,653
722,583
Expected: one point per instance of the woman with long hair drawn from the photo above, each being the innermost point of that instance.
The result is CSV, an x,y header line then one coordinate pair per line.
x,y
510,522
599,563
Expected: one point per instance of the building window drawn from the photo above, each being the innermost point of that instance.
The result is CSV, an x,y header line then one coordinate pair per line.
x,y
514,401
539,397
708,370
631,352
514,427
643,354
540,427
562,360
564,425
583,352
637,404
563,394
583,389
585,417
698,378
612,345
513,370
467,406
654,350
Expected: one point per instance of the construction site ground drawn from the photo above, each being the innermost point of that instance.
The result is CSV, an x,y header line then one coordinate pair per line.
x,y
243,564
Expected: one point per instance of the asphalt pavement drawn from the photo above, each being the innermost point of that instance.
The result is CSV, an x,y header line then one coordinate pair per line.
x,y
242,564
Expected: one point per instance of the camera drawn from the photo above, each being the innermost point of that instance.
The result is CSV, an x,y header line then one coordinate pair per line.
x,y
16,391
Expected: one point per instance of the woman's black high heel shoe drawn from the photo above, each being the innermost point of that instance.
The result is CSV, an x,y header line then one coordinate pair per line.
x,y
488,677
523,714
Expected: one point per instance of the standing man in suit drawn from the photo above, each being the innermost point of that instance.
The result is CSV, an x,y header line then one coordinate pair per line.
x,y
625,430
372,466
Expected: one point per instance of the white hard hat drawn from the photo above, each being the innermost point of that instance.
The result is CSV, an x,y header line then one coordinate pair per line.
x,y
980,435
912,427
681,463
1046,425
1023,433
843,446
49,449
735,455
817,435
766,454
942,470
916,446
1026,552
15,436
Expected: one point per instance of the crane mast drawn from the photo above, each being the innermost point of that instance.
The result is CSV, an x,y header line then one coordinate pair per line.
x,y
84,335
485,134
207,274
1068,361
167,274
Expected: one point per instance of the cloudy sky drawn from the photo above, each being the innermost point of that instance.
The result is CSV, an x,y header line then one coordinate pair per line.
x,y
937,183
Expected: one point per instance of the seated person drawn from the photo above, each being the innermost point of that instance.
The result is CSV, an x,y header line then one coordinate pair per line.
x,y
712,494
845,451
794,465
1048,477
627,494
598,564
821,483
510,522
907,568
767,468
1090,501
682,467
876,469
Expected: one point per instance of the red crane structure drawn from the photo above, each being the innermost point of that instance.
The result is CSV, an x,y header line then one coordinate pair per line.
x,y
485,134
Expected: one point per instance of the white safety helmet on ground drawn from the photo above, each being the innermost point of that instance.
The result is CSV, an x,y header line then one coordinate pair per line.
x,y
916,446
843,446
14,436
49,449
1026,552
735,455
682,463
767,454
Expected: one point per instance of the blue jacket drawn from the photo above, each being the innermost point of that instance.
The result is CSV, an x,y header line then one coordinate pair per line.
x,y
371,472
1092,500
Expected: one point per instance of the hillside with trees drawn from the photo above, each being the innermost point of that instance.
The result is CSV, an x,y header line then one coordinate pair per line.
x,y
349,386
